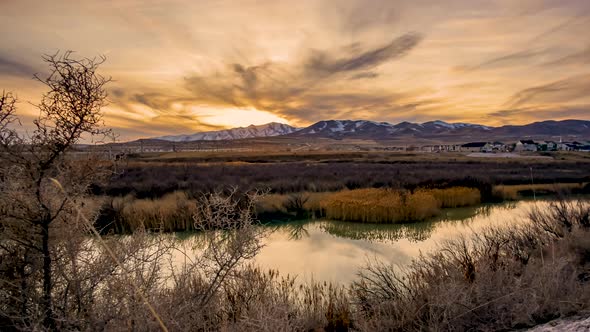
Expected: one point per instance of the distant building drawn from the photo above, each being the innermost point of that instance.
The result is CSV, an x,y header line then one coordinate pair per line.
x,y
562,146
494,147
473,146
525,145
551,146
441,148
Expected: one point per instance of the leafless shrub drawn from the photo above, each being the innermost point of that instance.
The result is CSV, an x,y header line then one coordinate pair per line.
x,y
502,279
34,217
562,217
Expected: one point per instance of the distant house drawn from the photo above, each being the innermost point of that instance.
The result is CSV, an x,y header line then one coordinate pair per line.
x,y
562,146
573,146
473,146
441,148
494,147
525,145
551,146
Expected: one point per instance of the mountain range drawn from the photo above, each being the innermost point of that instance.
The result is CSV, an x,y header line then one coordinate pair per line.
x,y
252,131
363,129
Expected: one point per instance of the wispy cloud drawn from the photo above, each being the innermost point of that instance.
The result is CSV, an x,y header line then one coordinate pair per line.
x,y
562,91
11,67
176,63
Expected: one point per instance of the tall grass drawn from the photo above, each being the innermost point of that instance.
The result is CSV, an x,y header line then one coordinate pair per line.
x,y
456,196
392,206
380,205
514,192
173,212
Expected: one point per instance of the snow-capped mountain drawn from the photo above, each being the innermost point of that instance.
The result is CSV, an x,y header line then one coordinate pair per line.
x,y
252,131
339,128
384,130
364,129
438,124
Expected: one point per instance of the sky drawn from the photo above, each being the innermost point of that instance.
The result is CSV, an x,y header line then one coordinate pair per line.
x,y
183,66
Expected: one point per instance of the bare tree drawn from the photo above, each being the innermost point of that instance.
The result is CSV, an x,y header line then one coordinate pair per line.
x,y
52,275
31,209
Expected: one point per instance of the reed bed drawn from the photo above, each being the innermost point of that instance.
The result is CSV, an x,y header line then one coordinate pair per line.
x,y
456,196
173,212
514,192
380,205
368,205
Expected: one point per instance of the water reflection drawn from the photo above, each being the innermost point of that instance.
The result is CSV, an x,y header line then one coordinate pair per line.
x,y
334,251
380,233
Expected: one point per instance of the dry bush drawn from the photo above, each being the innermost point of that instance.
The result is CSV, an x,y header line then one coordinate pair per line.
x,y
155,177
264,301
503,279
37,166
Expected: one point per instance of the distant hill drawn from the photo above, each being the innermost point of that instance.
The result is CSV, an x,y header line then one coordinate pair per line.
x,y
363,129
252,131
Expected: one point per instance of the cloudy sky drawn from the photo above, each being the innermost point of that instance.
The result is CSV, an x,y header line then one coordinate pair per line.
x,y
181,66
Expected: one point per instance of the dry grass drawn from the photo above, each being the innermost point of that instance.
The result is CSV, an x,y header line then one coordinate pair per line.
x,y
391,206
380,205
456,196
514,192
173,212
504,279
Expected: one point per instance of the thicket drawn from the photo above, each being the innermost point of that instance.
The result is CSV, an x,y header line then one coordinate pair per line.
x,y
155,179
501,279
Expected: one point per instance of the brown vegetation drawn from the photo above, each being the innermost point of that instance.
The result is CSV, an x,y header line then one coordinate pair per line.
x,y
502,280
173,212
391,206
156,178
514,192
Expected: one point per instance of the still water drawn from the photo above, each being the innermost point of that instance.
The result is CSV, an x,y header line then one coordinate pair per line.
x,y
333,251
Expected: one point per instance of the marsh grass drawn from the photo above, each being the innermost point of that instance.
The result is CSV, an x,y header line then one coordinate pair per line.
x,y
173,212
456,196
393,206
514,192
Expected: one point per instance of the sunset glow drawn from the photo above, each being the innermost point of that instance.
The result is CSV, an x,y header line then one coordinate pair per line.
x,y
185,66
